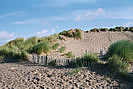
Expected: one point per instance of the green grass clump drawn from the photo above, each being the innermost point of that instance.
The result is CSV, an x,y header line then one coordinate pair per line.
x,y
52,63
95,30
69,54
55,46
42,47
62,49
76,33
13,54
17,49
117,65
85,61
51,39
104,29
30,42
17,42
120,55
123,49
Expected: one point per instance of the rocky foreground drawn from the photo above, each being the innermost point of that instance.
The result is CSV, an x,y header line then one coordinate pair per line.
x,y
18,76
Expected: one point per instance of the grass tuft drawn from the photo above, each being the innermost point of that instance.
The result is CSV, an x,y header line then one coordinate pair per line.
x,y
123,49
55,46
42,47
62,49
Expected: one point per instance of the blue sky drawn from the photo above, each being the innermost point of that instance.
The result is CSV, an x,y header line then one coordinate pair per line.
x,y
26,18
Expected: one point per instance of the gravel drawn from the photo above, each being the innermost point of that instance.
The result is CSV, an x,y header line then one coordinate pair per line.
x,y
17,76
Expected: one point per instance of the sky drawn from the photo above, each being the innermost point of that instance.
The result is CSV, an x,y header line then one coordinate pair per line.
x,y
27,18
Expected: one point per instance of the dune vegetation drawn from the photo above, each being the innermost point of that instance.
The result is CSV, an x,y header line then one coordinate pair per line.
x,y
118,57
74,33
115,29
20,48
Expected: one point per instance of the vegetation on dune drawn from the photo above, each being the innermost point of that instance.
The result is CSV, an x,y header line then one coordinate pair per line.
x,y
115,29
116,65
42,47
30,42
122,48
55,46
69,54
51,39
73,33
52,63
104,29
62,49
17,42
13,53
20,48
85,61
120,55
94,30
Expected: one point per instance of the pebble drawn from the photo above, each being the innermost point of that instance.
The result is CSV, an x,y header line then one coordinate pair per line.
x,y
39,77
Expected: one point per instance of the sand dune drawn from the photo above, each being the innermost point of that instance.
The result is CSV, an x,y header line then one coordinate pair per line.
x,y
94,41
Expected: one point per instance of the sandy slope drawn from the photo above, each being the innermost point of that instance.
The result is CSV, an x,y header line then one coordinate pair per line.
x,y
94,41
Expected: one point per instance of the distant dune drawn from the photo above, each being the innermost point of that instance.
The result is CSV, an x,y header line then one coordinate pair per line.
x,y
94,41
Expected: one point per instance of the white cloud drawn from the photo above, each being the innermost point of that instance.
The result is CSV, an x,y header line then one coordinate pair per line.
x,y
120,13
83,15
5,35
30,21
18,13
57,18
62,3
46,32
42,33
130,23
89,14
100,13
42,20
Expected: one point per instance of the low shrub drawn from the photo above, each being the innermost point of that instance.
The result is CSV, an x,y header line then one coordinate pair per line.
x,y
42,47
69,54
24,55
12,54
85,61
117,65
112,29
104,29
123,49
17,42
74,33
119,29
55,46
120,55
77,34
30,42
50,39
52,63
95,30
62,49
